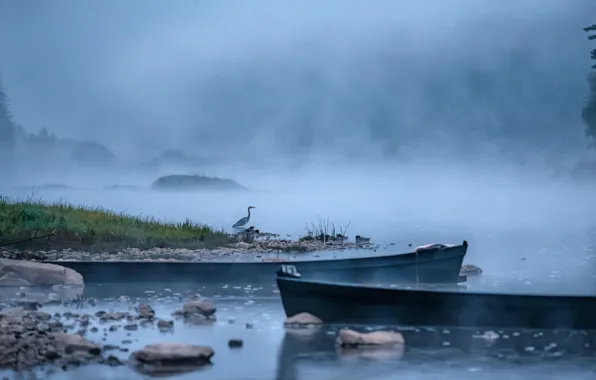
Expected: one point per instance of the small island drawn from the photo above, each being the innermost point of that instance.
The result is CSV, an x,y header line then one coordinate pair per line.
x,y
182,182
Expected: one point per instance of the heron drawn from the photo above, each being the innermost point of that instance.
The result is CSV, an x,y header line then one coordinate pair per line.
x,y
242,222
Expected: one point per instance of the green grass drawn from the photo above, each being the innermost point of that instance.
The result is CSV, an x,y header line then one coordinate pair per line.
x,y
95,228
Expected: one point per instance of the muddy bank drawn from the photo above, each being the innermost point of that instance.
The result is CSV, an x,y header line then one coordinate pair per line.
x,y
256,251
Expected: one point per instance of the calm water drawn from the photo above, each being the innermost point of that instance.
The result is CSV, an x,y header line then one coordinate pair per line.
x,y
521,246
254,314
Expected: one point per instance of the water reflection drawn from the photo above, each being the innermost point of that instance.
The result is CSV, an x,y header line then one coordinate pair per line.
x,y
461,352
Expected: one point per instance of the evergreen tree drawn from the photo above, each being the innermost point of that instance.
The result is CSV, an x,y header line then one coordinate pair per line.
x,y
7,140
589,111
592,37
6,127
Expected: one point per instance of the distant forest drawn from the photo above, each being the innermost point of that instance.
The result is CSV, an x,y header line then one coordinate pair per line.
x,y
15,141
43,148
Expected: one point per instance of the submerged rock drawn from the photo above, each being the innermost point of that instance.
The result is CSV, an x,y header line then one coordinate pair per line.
x,y
31,273
302,319
198,307
235,343
351,338
470,270
164,325
110,316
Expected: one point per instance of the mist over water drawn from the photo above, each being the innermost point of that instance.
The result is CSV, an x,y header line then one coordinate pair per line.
x,y
514,221
256,83
411,122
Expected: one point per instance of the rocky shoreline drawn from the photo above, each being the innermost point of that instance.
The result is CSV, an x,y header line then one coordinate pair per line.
x,y
34,338
241,251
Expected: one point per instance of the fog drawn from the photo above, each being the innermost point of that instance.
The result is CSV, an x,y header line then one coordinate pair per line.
x,y
253,82
506,217
412,121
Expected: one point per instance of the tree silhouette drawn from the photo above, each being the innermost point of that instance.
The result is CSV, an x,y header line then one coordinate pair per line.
x,y
589,111
588,29
6,128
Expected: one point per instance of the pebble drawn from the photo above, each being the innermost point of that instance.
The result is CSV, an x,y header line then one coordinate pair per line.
x,y
235,343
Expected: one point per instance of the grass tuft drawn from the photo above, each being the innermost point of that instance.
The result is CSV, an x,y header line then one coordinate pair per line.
x,y
325,232
95,228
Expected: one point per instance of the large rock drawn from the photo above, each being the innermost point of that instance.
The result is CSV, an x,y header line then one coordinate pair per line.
x,y
31,273
351,338
73,343
171,357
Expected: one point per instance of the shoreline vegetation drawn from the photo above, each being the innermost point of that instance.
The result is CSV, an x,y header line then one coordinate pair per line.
x,y
95,228
38,230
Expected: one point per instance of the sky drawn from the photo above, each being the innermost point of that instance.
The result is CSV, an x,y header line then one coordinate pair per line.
x,y
256,80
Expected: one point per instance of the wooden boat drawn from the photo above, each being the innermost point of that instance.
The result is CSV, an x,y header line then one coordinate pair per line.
x,y
362,304
432,264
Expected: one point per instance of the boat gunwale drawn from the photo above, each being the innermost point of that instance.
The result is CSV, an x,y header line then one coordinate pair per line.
x,y
434,292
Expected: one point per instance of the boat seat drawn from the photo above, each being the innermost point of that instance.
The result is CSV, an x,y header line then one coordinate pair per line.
x,y
430,247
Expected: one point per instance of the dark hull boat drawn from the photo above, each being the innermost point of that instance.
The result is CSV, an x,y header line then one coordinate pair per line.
x,y
431,264
360,304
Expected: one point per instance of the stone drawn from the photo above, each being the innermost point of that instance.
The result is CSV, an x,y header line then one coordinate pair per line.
x,y
165,325
146,312
110,316
12,280
203,308
470,270
302,319
161,358
32,273
235,343
28,304
351,338
53,299
71,343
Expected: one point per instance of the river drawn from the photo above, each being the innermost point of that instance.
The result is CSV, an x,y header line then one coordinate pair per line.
x,y
533,239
